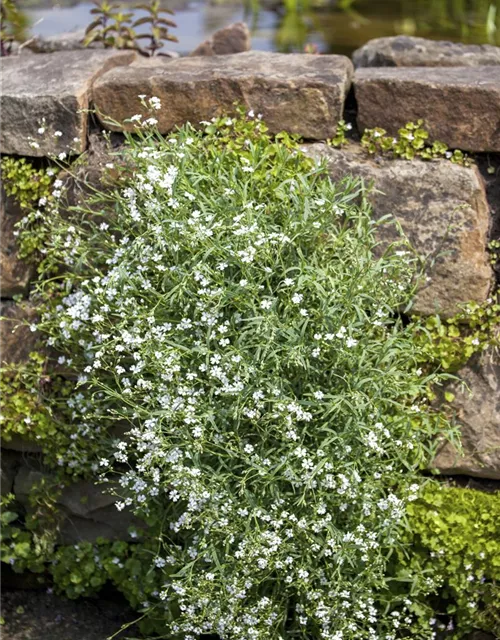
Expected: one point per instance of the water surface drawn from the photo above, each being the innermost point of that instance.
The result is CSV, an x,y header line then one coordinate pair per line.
x,y
330,26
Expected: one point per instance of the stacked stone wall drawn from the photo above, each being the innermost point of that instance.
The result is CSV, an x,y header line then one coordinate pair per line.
x,y
448,211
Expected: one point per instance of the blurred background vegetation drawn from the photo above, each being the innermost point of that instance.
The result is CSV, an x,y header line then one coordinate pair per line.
x,y
326,26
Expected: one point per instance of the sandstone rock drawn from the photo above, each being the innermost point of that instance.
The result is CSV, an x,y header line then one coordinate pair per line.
x,y
68,41
441,207
54,87
478,415
299,93
460,105
89,512
408,51
232,39
17,340
15,274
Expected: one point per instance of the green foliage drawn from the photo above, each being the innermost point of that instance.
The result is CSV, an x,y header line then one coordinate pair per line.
x,y
450,342
27,544
224,302
339,139
117,29
454,547
411,142
494,249
13,26
44,409
23,410
25,183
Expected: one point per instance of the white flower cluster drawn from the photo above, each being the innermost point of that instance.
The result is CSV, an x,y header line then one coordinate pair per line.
x,y
246,335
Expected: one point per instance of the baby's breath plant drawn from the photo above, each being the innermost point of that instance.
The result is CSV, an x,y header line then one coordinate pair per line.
x,y
224,304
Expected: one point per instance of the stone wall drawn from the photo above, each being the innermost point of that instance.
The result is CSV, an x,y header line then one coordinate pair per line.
x,y
449,212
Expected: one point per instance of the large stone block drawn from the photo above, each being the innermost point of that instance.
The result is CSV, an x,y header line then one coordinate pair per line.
x,y
234,38
299,93
17,340
460,105
88,511
52,87
443,211
408,51
15,274
477,408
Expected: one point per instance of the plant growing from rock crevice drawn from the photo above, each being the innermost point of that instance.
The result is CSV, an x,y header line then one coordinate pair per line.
x,y
410,142
276,410
451,342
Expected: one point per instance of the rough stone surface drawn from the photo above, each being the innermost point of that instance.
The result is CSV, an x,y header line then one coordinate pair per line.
x,y
54,87
234,38
15,274
408,51
478,414
460,105
89,512
67,41
17,340
299,93
18,444
443,211
9,464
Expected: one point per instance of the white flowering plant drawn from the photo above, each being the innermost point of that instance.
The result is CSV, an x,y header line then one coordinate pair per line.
x,y
229,306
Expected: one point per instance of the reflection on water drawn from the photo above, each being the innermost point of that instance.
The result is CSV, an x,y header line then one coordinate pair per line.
x,y
333,26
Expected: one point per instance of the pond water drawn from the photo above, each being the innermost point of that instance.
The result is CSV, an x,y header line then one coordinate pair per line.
x,y
332,26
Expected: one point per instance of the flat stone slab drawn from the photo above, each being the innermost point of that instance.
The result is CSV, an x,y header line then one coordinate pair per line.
x,y
408,51
477,409
443,211
55,87
460,105
298,93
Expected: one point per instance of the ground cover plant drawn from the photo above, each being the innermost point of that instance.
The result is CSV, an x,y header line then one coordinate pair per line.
x,y
230,309
455,541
